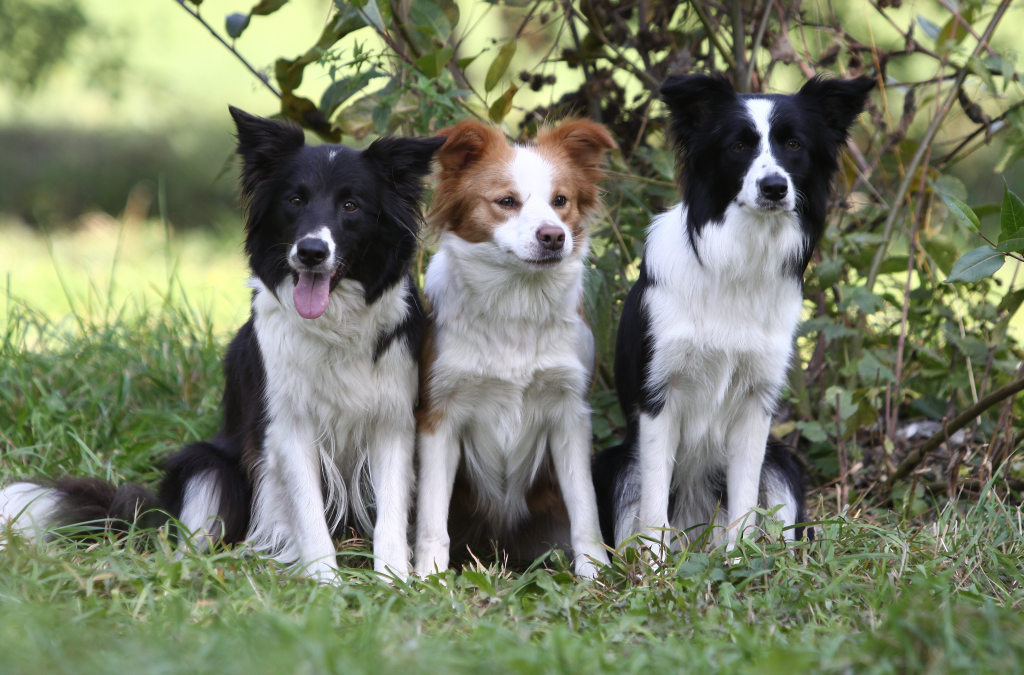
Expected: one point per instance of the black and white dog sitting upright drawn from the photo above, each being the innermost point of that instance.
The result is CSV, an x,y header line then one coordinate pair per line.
x,y
321,381
707,331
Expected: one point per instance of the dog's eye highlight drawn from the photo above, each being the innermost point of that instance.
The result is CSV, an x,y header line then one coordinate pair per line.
x,y
560,200
295,201
793,145
349,206
740,147
507,202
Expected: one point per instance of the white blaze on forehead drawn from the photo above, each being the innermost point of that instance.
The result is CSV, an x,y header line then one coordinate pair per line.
x,y
532,174
760,113
331,155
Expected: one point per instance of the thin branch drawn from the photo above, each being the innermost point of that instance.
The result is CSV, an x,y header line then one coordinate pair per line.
x,y
915,457
923,147
739,39
713,34
758,39
260,76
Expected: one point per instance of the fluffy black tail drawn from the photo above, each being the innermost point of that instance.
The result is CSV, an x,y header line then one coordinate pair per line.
x,y
36,506
609,469
782,480
204,487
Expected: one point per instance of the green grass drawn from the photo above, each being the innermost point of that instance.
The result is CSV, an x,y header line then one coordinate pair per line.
x,y
110,396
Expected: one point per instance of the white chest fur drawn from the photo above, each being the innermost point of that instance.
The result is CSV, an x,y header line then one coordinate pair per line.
x,y
513,356
722,324
328,405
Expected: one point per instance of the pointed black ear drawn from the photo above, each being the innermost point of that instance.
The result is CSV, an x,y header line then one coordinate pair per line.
x,y
838,101
261,143
692,100
403,162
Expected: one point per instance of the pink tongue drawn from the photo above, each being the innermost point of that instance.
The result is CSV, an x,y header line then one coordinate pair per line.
x,y
311,293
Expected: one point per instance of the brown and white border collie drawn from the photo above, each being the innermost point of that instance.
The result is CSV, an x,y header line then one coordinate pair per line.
x,y
504,434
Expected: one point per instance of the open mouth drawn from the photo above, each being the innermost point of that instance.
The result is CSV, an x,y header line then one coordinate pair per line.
x,y
312,291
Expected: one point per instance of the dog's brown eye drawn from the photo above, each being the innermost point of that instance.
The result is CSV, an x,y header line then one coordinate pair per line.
x,y
793,145
349,206
295,201
507,202
560,200
739,147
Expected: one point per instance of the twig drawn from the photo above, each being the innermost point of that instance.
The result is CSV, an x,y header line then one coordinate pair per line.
x,y
974,134
652,83
739,39
923,147
757,41
713,34
915,457
260,76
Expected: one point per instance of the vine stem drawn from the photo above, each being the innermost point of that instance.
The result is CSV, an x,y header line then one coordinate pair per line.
x,y
925,146
260,76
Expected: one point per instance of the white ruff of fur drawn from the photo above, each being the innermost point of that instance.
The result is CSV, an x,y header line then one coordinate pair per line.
x,y
334,418
510,345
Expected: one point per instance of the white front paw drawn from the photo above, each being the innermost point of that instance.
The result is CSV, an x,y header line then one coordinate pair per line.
x,y
321,572
398,569
431,560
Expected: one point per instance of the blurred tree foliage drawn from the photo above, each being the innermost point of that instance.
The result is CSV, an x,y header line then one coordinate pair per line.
x,y
36,36
889,348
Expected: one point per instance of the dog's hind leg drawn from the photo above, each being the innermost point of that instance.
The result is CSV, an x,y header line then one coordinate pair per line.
x,y
439,461
782,483
207,491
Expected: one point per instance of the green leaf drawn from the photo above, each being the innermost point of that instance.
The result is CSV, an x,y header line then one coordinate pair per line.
x,y
431,20
943,252
975,65
1013,245
480,581
288,77
1011,216
501,106
1011,302
499,66
372,13
980,263
962,212
947,34
829,272
813,431
381,116
871,369
344,89
433,63
951,185
464,62
235,24
264,7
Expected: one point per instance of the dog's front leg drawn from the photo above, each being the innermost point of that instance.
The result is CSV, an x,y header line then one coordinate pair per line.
x,y
570,450
746,442
659,443
439,460
391,468
294,463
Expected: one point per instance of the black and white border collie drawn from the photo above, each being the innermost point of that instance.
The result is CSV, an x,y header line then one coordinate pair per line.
x,y
319,425
504,425
707,331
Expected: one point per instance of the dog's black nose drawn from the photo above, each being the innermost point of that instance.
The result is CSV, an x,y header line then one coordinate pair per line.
x,y
551,237
774,187
312,251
